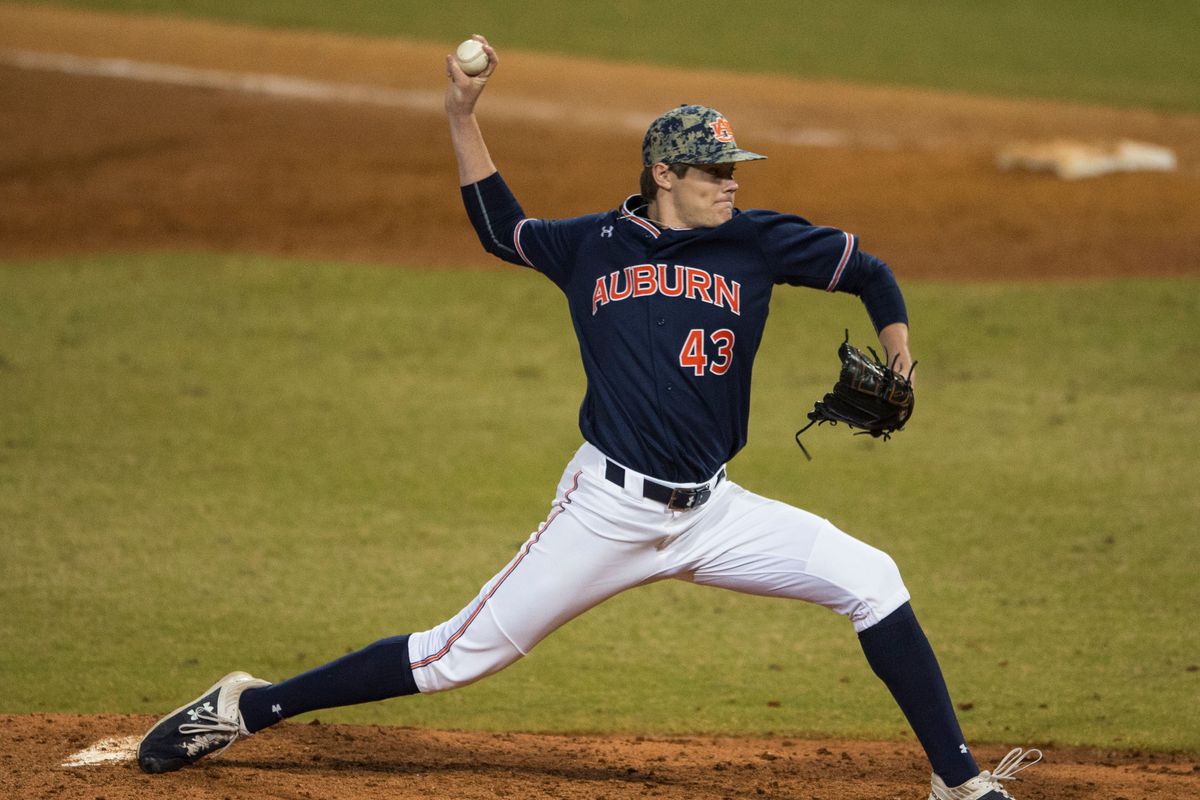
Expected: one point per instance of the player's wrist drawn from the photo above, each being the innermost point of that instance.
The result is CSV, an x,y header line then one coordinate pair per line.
x,y
461,111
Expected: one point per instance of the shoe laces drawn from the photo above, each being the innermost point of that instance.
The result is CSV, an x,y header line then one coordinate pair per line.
x,y
1017,759
210,728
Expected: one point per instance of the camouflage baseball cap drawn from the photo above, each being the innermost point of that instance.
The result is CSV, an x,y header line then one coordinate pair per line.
x,y
692,135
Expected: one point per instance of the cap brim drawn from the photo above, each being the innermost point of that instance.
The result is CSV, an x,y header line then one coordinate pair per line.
x,y
727,157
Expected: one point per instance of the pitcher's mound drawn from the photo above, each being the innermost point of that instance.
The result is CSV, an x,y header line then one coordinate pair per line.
x,y
40,756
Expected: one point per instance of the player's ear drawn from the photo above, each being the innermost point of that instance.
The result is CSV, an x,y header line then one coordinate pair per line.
x,y
662,175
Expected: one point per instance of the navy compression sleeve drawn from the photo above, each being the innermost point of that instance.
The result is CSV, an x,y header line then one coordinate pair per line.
x,y
872,280
494,212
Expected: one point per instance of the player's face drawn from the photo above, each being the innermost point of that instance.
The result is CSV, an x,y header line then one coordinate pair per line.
x,y
703,196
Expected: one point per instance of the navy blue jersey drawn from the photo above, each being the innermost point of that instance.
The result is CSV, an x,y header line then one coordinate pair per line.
x,y
669,320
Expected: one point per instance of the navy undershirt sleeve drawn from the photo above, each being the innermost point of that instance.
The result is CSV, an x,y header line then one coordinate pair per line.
x,y
872,280
494,212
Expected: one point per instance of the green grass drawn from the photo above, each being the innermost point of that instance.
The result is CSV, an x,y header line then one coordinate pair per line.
x,y
1102,51
211,462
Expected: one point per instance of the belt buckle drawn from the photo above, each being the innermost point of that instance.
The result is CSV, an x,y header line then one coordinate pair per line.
x,y
687,499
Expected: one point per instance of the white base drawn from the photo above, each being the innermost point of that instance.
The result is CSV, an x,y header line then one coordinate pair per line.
x,y
1071,160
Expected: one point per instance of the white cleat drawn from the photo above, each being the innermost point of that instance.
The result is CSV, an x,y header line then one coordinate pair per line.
x,y
986,785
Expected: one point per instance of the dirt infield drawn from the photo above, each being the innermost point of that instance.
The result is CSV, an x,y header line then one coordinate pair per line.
x,y
91,163
339,761
105,156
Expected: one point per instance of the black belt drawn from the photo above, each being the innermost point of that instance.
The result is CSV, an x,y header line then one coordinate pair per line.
x,y
674,498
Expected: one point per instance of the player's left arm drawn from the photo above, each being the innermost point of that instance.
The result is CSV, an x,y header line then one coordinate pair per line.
x,y
894,339
875,284
826,258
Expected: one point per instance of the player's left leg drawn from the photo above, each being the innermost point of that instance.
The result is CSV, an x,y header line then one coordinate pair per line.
x,y
752,544
755,545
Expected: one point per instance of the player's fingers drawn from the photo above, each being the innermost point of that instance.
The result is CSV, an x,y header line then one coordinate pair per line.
x,y
460,79
493,59
457,98
464,81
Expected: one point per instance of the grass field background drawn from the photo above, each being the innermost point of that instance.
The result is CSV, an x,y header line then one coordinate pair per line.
x,y
1096,51
210,462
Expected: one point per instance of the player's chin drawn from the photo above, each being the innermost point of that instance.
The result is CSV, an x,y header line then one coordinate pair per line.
x,y
723,213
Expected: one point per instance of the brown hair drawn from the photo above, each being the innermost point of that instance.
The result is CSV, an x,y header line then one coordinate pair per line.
x,y
646,185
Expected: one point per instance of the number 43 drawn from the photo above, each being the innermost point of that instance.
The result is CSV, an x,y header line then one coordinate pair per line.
x,y
693,353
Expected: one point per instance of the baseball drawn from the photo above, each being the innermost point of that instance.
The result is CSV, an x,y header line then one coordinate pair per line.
x,y
471,57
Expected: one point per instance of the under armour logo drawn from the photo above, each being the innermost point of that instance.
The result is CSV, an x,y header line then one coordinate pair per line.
x,y
607,231
277,710
194,714
962,748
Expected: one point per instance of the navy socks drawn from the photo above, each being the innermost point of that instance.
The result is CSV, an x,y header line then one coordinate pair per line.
x,y
899,653
377,672
896,649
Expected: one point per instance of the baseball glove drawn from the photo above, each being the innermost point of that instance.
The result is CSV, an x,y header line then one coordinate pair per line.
x,y
868,396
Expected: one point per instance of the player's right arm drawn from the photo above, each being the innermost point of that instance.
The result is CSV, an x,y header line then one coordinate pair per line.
x,y
498,219
462,93
493,210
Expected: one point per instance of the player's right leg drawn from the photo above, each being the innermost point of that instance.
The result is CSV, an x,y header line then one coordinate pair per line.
x,y
596,543
585,552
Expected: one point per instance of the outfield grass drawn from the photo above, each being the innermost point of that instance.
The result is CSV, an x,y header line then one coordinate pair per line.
x,y
1097,51
211,462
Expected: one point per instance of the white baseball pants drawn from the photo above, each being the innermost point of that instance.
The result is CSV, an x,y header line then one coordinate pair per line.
x,y
601,539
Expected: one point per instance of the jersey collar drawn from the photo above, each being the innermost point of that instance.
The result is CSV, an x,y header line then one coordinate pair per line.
x,y
632,209
629,211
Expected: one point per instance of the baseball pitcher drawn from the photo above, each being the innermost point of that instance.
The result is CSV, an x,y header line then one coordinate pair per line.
x,y
668,295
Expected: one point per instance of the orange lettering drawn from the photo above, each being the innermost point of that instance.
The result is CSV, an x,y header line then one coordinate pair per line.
x,y
673,291
730,297
698,283
643,280
600,296
615,295
721,130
